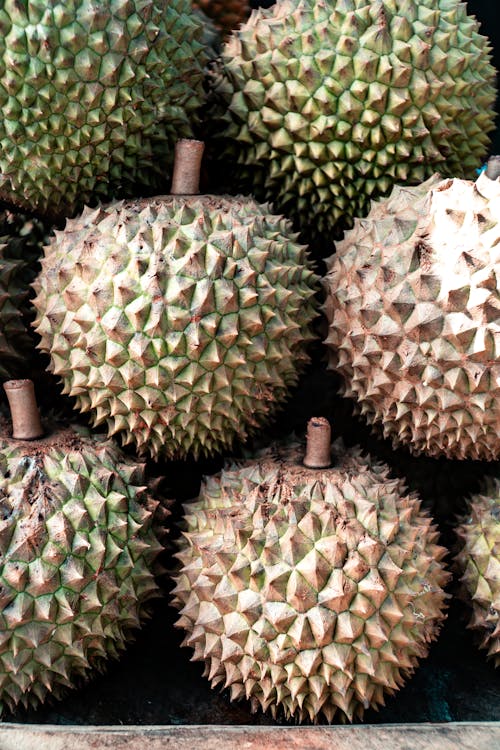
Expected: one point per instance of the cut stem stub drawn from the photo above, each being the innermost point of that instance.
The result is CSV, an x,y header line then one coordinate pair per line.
x,y
318,446
26,424
187,165
493,167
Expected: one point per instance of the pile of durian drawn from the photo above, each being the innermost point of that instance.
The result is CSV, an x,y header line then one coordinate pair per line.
x,y
182,322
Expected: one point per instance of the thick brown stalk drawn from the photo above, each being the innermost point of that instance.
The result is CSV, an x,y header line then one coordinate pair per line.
x,y
187,164
26,423
318,450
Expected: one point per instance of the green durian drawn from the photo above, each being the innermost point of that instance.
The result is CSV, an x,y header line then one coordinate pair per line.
x,y
478,562
323,105
76,559
21,243
180,322
93,97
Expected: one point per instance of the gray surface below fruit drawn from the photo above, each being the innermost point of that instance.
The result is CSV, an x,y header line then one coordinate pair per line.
x,y
439,736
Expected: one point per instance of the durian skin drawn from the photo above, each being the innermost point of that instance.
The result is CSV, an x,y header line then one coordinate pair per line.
x,y
21,242
312,593
93,98
412,304
76,558
323,105
479,565
181,323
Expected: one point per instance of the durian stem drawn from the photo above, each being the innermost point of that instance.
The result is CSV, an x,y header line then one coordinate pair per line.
x,y
493,167
26,424
187,165
318,446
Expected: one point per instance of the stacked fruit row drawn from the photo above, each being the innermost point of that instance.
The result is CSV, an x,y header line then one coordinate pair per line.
x,y
181,323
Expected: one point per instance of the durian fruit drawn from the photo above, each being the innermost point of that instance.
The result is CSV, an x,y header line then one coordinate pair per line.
x,y
413,307
479,563
325,104
226,14
93,97
181,322
211,38
311,592
21,242
76,554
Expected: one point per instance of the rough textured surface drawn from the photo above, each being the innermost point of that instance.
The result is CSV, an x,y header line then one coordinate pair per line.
x,y
413,306
21,242
479,563
93,97
312,593
181,323
327,103
76,552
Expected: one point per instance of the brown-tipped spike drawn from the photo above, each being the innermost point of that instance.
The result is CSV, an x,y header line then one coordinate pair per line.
x,y
318,444
187,164
26,423
493,167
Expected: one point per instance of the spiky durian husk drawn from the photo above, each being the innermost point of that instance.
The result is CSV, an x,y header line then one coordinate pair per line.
x,y
479,564
413,307
325,104
226,14
180,322
93,97
309,591
21,242
211,38
76,553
